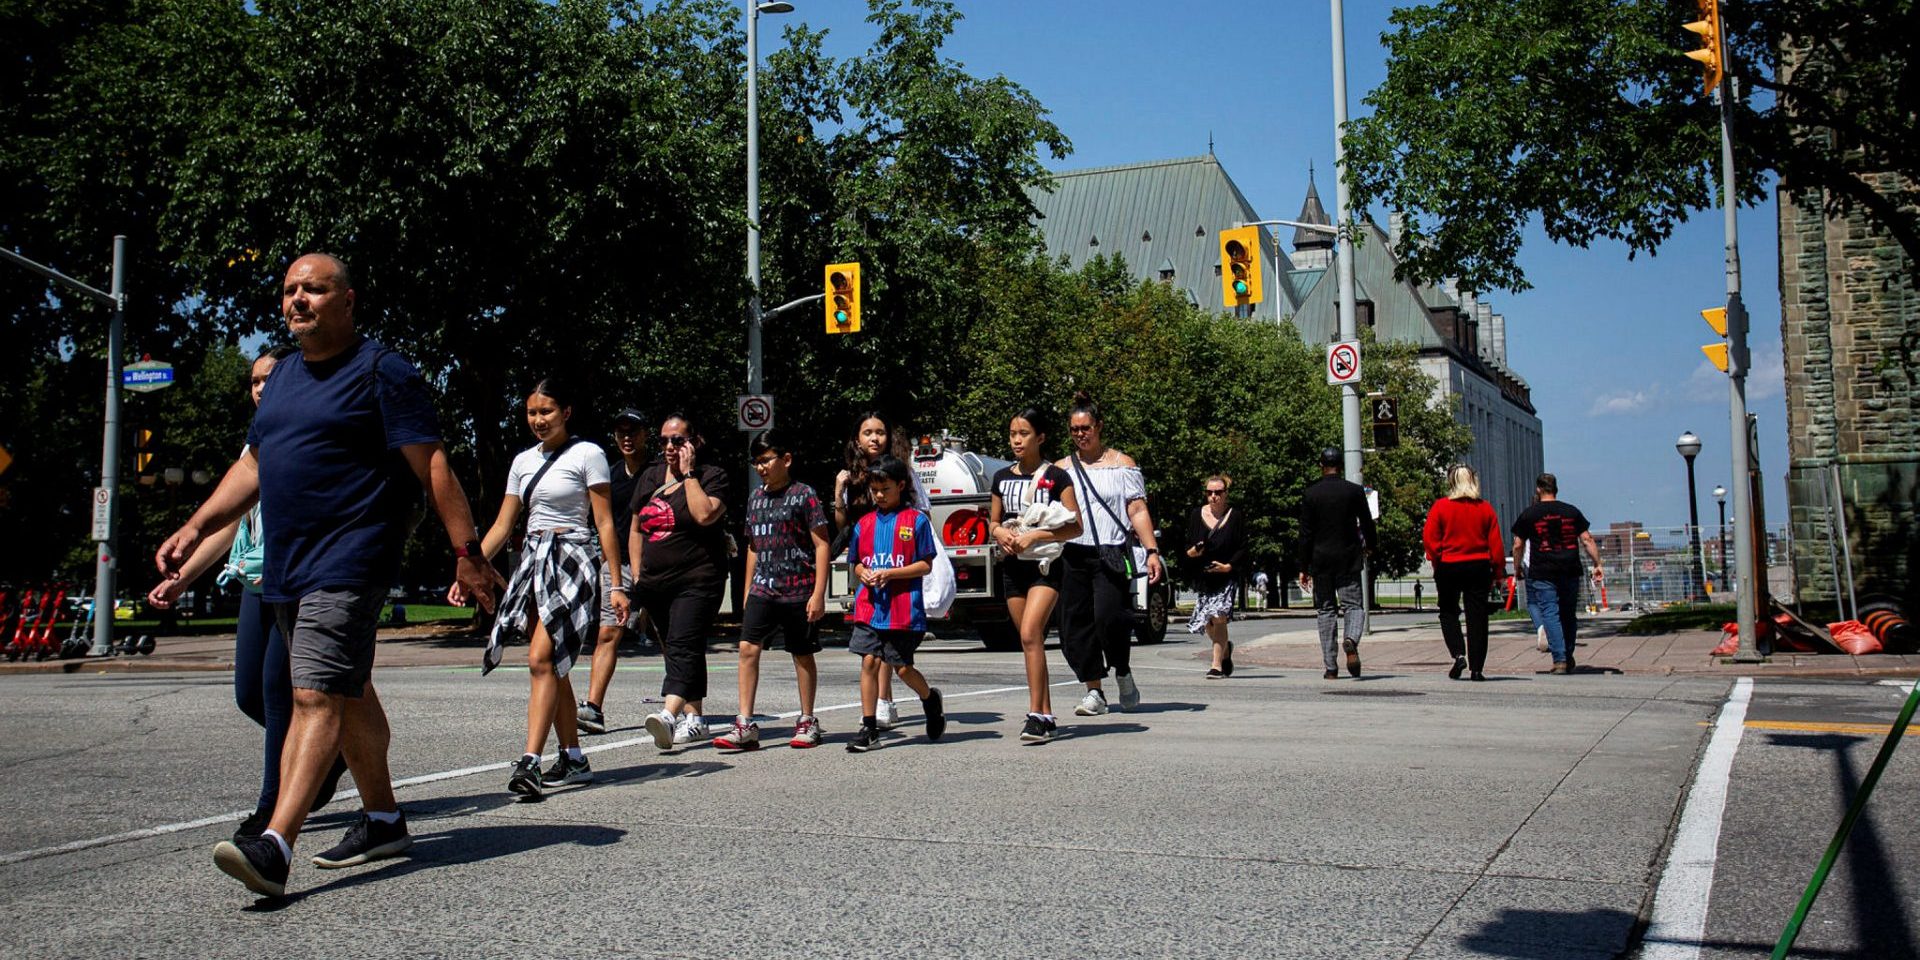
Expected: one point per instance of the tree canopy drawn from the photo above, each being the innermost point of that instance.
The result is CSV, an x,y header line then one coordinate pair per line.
x,y
1584,115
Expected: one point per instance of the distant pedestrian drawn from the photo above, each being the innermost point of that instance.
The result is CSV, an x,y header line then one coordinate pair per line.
x,y
630,442
262,681
553,601
1032,514
788,560
1216,554
1552,532
342,433
1336,534
1463,542
873,437
1096,595
679,551
891,550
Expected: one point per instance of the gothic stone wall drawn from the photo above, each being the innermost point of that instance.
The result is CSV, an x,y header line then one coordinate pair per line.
x,y
1850,326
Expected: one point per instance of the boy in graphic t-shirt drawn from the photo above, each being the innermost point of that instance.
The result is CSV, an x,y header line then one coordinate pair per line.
x,y
788,549
892,548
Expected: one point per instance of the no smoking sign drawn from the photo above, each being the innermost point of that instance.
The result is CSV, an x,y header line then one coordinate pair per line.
x,y
755,412
1343,362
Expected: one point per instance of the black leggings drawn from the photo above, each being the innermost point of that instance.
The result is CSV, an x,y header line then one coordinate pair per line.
x,y
1096,615
1471,579
263,685
683,615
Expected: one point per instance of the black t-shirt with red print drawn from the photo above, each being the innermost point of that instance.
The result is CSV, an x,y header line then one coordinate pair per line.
x,y
675,549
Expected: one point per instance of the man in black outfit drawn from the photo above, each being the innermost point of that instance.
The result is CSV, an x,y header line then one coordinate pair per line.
x,y
1336,534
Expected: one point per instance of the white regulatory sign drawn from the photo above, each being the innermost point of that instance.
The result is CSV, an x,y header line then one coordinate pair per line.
x,y
755,412
102,513
1343,362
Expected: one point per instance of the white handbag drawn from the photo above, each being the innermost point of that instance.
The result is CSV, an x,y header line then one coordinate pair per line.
x,y
937,588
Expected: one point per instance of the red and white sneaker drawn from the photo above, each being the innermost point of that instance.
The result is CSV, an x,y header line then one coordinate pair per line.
x,y
806,733
745,735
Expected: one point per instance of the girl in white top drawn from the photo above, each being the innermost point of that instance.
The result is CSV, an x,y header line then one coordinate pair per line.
x,y
553,600
1096,605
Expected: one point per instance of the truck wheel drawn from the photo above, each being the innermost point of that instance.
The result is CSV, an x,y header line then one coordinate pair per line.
x,y
999,636
1150,625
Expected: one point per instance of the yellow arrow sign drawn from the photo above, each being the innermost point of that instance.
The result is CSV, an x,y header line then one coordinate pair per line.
x,y
1716,355
1716,318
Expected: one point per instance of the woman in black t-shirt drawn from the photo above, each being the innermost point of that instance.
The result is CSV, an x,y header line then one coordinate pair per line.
x,y
1216,555
1029,571
678,549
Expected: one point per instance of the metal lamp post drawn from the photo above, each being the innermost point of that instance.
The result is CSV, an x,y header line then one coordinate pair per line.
x,y
1689,447
755,380
1720,497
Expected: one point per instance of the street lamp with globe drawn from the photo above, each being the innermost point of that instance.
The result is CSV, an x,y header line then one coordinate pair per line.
x,y
1720,497
1689,447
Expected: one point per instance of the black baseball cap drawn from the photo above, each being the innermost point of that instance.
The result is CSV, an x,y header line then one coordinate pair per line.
x,y
629,414
1332,457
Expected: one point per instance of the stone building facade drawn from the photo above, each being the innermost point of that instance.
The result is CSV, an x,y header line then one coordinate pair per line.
x,y
1850,330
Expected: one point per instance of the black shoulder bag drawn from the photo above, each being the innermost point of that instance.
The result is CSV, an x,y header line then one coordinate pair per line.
x,y
1117,558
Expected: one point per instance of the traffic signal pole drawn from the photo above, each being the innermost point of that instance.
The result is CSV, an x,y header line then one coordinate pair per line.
x,y
1343,269
1746,559
755,378
115,297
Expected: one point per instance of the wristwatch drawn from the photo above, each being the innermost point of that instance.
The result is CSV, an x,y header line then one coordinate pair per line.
x,y
1153,551
472,549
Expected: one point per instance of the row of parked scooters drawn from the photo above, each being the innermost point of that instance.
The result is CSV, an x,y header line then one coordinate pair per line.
x,y
30,618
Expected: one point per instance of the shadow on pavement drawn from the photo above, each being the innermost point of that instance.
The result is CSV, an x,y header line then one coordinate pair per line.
x,y
1553,934
460,845
1079,730
1168,707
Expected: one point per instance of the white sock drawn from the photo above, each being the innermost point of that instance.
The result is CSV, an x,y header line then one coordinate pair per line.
x,y
390,816
574,754
285,849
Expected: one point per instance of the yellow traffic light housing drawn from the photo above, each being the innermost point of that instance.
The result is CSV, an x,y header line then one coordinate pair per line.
x,y
1240,266
1716,318
843,298
1710,53
1716,355
142,449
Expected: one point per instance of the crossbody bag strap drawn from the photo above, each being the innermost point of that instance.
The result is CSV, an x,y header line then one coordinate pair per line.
x,y
1088,483
526,492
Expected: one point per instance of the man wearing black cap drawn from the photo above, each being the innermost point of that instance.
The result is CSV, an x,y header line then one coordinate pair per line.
x,y
630,439
1336,533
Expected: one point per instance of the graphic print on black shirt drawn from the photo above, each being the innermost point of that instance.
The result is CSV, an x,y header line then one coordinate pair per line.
x,y
676,548
781,526
1552,531
1016,490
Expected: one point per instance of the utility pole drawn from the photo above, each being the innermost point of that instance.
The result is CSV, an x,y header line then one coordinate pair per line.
x,y
1343,268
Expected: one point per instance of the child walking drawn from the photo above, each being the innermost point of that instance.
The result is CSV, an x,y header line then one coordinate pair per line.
x,y
892,548
788,552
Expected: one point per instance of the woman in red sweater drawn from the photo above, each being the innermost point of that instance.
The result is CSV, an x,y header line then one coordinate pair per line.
x,y
1463,543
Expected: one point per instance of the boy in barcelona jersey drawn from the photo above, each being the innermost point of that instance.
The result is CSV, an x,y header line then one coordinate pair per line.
x,y
891,550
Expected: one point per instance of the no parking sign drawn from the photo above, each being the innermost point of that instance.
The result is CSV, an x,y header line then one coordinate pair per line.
x,y
754,412
1343,362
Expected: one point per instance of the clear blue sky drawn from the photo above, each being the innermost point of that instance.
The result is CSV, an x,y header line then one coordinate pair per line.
x,y
1609,345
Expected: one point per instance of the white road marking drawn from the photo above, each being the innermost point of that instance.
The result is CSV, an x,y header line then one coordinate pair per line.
x,y
8,859
1680,905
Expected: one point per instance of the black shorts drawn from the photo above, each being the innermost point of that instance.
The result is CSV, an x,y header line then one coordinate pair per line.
x,y
896,647
1016,576
767,622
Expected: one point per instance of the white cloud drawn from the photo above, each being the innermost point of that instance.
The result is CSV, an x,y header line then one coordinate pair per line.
x,y
1624,402
1767,378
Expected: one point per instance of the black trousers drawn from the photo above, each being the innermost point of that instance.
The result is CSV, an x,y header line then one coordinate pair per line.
x,y
683,615
1469,580
1096,615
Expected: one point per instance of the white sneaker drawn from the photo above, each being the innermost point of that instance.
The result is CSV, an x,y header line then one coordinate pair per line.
x,y
1129,692
690,728
886,714
663,728
1540,640
1091,705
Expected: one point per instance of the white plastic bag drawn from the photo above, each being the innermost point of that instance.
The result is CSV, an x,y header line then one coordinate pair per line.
x,y
937,588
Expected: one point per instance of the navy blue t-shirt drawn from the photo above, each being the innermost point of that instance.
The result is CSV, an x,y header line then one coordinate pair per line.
x,y
335,491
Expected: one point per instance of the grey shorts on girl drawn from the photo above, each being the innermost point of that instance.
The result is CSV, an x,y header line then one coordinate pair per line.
x,y
894,647
607,619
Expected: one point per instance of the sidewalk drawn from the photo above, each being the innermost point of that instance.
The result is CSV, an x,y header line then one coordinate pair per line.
x,y
1411,643
1400,643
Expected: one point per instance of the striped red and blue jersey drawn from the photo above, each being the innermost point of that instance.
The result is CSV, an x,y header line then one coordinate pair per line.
x,y
885,541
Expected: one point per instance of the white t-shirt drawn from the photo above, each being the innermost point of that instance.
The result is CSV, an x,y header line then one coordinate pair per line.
x,y
1114,486
561,498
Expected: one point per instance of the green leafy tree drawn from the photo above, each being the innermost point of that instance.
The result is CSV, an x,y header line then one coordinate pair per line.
x,y
1582,115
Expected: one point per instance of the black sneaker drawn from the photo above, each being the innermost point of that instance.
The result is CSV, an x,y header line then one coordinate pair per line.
x,y
566,770
254,861
525,779
1037,730
366,841
936,714
867,739
254,825
590,718
329,785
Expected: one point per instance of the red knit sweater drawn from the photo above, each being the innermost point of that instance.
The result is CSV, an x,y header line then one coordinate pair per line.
x,y
1464,530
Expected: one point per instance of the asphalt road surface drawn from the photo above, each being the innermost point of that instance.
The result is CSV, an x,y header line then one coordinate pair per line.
x,y
1274,814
